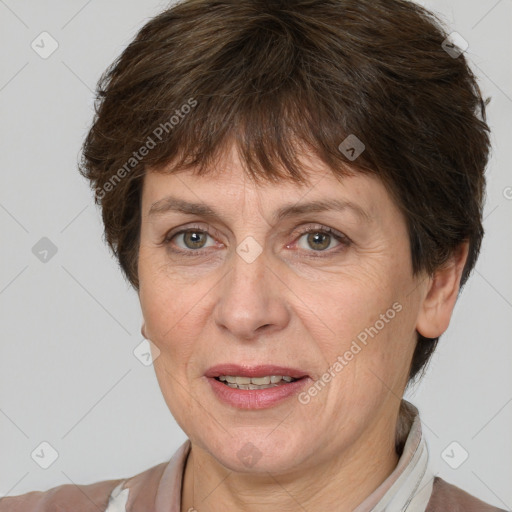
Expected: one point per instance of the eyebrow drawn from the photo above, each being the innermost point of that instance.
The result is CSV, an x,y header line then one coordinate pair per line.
x,y
174,204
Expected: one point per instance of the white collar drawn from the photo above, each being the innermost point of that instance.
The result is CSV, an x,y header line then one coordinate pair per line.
x,y
409,487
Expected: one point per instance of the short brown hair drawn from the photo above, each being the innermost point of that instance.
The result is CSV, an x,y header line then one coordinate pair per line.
x,y
274,76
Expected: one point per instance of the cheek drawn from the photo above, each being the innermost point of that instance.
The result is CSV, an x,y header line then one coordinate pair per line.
x,y
171,324
340,309
170,304
363,326
379,354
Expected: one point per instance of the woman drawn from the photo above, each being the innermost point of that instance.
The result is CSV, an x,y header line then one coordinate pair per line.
x,y
294,189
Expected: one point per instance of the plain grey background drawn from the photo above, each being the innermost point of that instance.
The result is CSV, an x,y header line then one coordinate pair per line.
x,y
70,325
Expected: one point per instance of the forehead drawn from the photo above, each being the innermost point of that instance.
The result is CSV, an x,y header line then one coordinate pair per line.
x,y
227,183
229,171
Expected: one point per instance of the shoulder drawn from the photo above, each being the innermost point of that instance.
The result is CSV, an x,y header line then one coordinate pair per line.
x,y
447,497
82,498
93,497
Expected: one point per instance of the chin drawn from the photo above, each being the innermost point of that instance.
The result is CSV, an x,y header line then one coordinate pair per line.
x,y
256,453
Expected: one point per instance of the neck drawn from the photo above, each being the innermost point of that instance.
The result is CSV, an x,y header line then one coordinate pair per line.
x,y
340,483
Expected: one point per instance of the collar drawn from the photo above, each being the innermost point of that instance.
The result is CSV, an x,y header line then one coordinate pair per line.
x,y
409,487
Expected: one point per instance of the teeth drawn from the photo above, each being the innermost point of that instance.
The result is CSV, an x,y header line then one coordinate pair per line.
x,y
261,380
254,382
238,380
251,386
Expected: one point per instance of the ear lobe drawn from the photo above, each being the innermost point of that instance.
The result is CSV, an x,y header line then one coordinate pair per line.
x,y
437,306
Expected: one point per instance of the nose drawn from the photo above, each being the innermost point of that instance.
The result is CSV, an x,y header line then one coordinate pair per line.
x,y
252,300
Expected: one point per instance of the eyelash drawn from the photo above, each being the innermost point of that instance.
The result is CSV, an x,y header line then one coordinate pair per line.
x,y
343,239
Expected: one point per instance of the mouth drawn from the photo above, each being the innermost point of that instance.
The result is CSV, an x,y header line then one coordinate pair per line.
x,y
255,387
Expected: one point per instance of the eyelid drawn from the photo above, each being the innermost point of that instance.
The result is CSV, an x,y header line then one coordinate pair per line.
x,y
315,227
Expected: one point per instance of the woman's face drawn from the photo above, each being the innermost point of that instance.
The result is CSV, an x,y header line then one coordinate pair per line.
x,y
250,288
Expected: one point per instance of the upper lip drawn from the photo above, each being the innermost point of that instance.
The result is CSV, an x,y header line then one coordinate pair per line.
x,y
262,370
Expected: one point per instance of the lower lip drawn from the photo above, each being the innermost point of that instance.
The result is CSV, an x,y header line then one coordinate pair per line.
x,y
255,398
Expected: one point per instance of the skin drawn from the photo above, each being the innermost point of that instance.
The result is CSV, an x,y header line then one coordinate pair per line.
x,y
286,309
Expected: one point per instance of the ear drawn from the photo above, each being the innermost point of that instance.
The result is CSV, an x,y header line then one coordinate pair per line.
x,y
437,306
